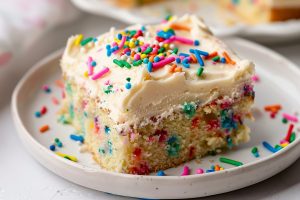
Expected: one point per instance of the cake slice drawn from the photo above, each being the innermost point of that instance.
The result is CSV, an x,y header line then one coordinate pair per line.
x,y
263,11
148,98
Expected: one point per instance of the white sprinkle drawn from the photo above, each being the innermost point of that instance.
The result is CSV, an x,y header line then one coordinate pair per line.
x,y
161,44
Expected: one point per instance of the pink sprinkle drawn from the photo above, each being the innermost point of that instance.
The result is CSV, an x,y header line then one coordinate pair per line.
x,y
186,171
100,74
107,82
289,117
63,94
255,78
114,44
55,101
171,39
137,57
162,63
155,50
90,67
45,87
199,171
184,40
122,42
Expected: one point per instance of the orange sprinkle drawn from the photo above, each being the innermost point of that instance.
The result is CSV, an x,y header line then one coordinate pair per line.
x,y
217,168
59,83
44,128
273,108
194,59
172,68
151,58
178,69
211,55
132,53
228,59
182,27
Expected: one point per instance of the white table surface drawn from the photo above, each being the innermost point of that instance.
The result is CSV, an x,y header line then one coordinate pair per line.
x,y
22,178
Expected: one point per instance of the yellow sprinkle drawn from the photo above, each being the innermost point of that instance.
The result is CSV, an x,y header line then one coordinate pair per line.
x,y
141,43
69,157
143,56
284,144
131,44
221,168
78,39
86,74
166,29
166,46
92,125
126,43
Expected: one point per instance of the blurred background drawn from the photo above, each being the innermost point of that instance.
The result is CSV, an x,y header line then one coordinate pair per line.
x,y
32,29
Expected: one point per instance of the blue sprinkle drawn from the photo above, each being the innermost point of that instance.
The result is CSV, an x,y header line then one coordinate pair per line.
x,y
196,43
136,42
165,35
52,147
178,60
128,53
108,53
77,138
37,114
106,129
223,60
184,54
95,40
93,63
198,56
160,173
143,28
156,59
149,66
119,36
108,47
210,170
269,147
185,63
146,60
128,86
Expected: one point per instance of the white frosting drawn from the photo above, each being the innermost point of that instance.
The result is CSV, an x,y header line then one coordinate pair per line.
x,y
164,91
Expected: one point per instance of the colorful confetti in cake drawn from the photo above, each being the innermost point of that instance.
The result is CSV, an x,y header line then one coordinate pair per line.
x,y
262,11
148,98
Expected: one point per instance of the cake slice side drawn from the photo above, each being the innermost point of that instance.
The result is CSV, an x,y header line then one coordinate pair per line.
x,y
139,117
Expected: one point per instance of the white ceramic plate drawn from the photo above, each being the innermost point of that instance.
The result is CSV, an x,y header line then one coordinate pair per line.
x,y
280,80
218,21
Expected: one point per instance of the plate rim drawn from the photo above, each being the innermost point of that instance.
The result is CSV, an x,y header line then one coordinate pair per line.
x,y
258,30
23,132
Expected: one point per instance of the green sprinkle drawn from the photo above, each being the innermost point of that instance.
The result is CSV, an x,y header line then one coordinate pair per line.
x,y
175,50
284,120
293,137
108,89
118,62
137,63
217,58
128,79
189,109
254,150
85,41
148,50
200,71
126,64
101,151
173,146
162,49
230,161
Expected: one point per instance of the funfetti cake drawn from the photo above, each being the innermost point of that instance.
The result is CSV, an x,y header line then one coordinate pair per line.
x,y
148,98
262,11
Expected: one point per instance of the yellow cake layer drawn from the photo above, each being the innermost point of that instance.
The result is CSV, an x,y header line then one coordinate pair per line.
x,y
144,149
